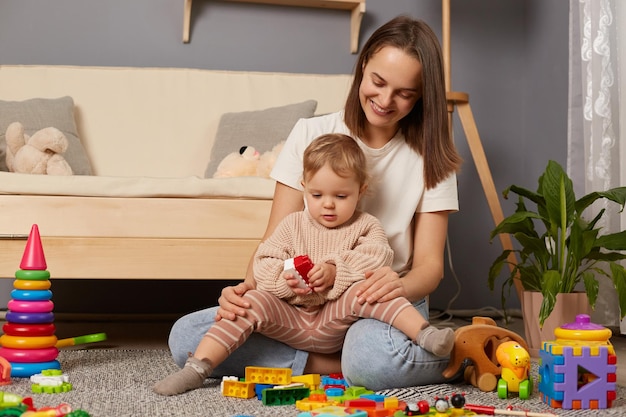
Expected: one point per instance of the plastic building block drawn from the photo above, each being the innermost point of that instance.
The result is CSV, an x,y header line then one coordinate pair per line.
x,y
578,369
328,380
360,403
333,411
284,396
51,389
312,381
335,392
374,408
315,400
50,381
374,405
299,267
238,389
356,391
342,394
258,389
261,375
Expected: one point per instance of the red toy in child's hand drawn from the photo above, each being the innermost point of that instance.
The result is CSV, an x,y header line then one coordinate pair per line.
x,y
299,267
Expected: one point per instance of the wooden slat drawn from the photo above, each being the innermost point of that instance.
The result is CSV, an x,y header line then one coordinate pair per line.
x,y
132,258
134,217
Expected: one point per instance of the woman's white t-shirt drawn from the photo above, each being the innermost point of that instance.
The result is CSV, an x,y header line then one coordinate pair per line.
x,y
396,190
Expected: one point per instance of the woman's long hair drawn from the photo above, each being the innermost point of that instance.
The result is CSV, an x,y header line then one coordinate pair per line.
x,y
425,128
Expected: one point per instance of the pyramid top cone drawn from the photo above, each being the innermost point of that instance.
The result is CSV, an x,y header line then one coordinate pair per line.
x,y
33,258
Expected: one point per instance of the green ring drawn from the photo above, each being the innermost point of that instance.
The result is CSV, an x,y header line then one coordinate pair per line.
x,y
34,275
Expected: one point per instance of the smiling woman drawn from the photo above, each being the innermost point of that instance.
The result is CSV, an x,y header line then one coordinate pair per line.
x,y
396,111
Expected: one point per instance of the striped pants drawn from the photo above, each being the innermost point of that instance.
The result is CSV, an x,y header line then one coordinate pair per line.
x,y
313,329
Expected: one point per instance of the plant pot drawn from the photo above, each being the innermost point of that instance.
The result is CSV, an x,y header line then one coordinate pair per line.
x,y
567,307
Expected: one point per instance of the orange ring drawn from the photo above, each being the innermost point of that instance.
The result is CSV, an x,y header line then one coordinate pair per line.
x,y
25,284
36,342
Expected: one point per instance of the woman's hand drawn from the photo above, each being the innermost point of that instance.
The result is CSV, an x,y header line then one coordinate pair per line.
x,y
231,302
381,285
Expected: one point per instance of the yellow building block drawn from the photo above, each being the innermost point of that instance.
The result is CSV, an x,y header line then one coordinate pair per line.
x,y
262,375
238,389
311,381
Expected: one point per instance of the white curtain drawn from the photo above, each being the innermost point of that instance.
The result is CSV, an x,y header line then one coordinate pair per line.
x,y
593,159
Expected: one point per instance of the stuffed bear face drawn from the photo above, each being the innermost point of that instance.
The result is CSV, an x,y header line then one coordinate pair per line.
x,y
249,153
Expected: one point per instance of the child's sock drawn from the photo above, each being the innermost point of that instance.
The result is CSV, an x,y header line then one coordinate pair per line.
x,y
191,376
437,341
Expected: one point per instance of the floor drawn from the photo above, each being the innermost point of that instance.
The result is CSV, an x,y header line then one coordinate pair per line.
x,y
150,332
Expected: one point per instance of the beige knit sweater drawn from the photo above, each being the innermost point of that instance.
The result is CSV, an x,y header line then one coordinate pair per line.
x,y
355,247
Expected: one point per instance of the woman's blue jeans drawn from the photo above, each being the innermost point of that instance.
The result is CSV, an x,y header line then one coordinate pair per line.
x,y
375,355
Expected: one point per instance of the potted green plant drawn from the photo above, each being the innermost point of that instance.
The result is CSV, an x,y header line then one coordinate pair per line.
x,y
559,248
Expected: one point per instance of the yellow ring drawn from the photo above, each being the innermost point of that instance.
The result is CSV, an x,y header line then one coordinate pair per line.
x,y
25,284
21,342
599,335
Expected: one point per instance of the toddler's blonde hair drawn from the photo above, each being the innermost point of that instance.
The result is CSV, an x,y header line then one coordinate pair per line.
x,y
340,152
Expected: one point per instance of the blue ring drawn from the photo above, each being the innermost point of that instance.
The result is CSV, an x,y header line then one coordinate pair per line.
x,y
31,295
26,370
29,318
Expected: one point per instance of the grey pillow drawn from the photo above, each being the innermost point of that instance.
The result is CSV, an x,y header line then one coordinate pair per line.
x,y
39,113
262,129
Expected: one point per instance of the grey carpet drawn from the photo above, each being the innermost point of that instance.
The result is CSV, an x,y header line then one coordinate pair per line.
x,y
116,383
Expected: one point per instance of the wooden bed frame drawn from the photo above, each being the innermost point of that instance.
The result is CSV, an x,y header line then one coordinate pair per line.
x,y
148,238
148,123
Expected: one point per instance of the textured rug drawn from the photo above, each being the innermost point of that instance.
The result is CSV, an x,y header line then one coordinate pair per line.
x,y
116,383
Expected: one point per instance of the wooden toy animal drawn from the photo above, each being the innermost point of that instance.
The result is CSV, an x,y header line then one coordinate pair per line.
x,y
478,343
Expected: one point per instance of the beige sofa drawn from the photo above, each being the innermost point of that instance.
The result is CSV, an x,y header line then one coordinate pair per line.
x,y
143,142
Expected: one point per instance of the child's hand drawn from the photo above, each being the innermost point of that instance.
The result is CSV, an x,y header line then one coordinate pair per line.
x,y
295,284
322,277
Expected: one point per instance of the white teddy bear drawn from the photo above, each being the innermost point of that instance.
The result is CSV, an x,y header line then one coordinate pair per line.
x,y
248,162
40,153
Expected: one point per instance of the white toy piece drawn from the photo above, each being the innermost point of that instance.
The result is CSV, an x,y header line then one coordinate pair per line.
x,y
299,267
49,379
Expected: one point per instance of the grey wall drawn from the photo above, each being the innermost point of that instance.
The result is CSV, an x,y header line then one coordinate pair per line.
x,y
510,56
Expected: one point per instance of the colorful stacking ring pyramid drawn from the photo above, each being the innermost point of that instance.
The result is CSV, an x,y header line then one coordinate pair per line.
x,y
29,341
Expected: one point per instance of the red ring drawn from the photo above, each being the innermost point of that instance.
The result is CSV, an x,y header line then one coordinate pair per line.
x,y
15,329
